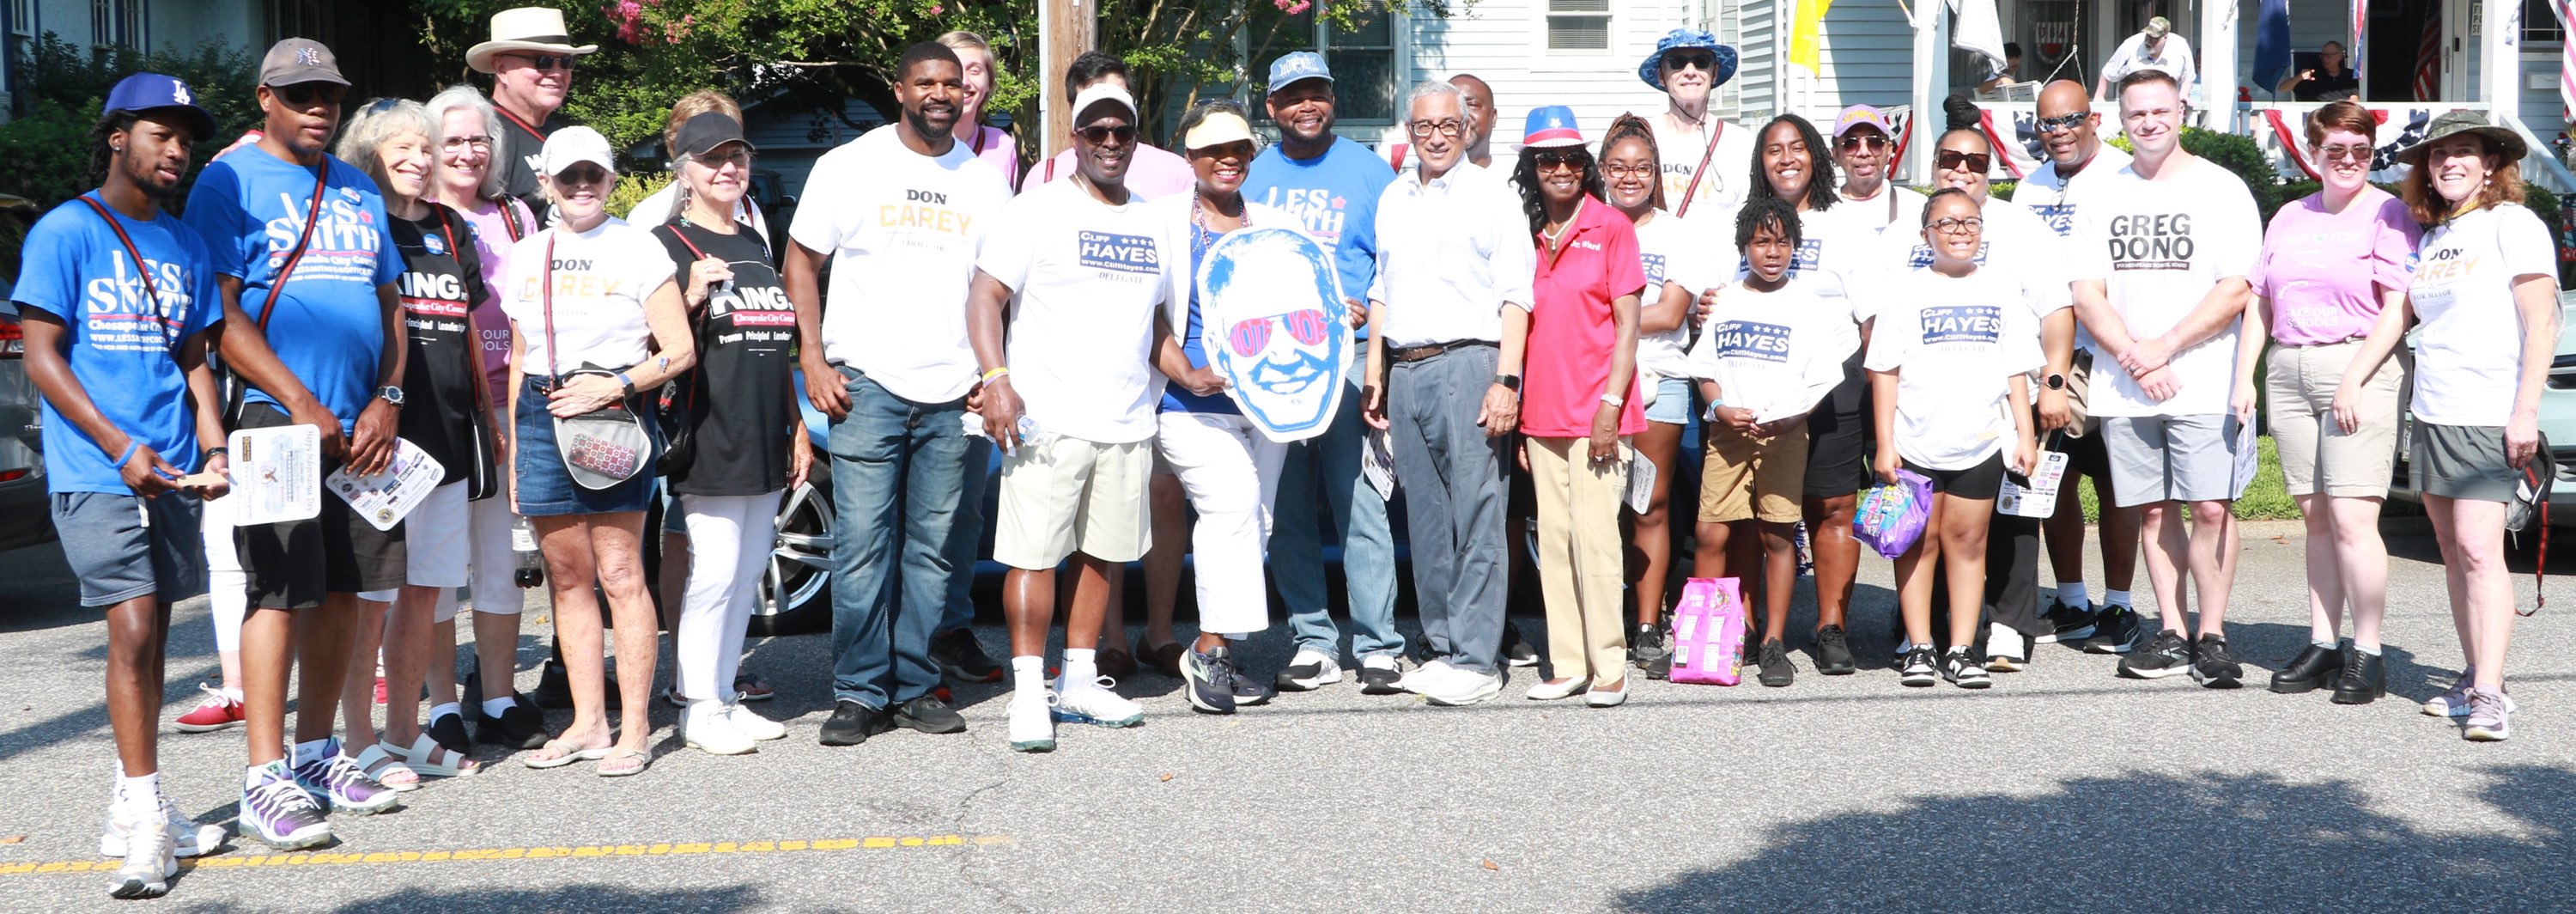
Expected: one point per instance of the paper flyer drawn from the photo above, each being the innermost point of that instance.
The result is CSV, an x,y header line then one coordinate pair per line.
x,y
2040,500
383,499
1377,464
277,474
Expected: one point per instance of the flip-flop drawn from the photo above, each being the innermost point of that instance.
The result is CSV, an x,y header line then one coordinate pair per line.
x,y
424,754
615,763
750,687
385,764
570,754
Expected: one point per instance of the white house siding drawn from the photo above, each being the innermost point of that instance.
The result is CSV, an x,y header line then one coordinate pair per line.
x,y
1504,43
2543,109
2312,24
1867,49
1760,56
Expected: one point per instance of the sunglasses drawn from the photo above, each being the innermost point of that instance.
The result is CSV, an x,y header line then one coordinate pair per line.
x,y
1548,159
1858,140
1097,134
1951,158
1251,337
547,61
305,95
2340,151
1677,61
581,174
2062,122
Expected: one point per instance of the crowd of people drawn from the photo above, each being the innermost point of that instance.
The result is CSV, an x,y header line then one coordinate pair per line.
x,y
1540,330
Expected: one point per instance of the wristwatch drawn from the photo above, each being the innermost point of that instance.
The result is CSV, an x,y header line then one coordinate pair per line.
x,y
390,394
1512,381
2054,381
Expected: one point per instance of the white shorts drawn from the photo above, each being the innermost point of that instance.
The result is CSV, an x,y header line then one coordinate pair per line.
x,y
434,535
1073,495
493,563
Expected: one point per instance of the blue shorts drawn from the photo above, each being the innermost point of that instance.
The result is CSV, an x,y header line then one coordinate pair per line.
x,y
546,488
1672,404
118,556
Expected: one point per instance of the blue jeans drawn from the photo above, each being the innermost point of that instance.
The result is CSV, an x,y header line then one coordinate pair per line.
x,y
897,474
965,535
1331,462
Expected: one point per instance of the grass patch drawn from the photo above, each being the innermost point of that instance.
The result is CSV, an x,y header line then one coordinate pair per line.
x,y
2268,498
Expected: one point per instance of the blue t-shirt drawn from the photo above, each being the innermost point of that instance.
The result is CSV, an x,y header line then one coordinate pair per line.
x,y
1335,195
124,344
328,327
1178,399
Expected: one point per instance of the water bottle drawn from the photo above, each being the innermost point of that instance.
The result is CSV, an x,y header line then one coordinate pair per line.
x,y
1031,434
532,566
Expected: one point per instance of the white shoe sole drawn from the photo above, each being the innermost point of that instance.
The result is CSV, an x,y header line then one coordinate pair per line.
x,y
1606,699
136,886
206,839
1475,696
1546,692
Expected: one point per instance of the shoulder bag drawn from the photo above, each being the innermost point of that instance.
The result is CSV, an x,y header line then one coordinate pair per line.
x,y
605,447
679,400
482,470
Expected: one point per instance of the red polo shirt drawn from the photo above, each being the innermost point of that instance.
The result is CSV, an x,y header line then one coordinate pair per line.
x,y
1572,330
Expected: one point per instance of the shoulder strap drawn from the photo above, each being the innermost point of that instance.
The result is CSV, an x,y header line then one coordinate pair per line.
x,y
682,238
277,286
510,217
473,337
150,292
1715,128
546,294
1400,150
1050,170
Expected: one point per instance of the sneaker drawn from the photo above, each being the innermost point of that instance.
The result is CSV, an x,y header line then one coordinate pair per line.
x,y
277,811
449,731
962,658
2168,655
2454,701
1306,672
149,862
1379,676
2214,666
2068,622
753,725
518,727
2007,650
1419,679
1456,686
1032,721
337,782
928,714
1093,703
1516,649
2490,717
218,711
1650,650
1917,669
851,724
2117,630
1774,663
1962,670
704,727
1250,691
1207,679
2364,678
187,838
2314,668
1833,652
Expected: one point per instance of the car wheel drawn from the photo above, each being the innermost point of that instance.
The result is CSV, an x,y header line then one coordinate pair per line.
x,y
796,589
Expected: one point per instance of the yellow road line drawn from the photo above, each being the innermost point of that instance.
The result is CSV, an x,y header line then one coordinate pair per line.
x,y
349,858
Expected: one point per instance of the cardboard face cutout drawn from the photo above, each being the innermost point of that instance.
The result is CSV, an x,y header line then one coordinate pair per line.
x,y
1276,328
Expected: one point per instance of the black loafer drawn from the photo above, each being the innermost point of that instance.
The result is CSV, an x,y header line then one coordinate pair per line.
x,y
2314,668
852,723
449,731
518,727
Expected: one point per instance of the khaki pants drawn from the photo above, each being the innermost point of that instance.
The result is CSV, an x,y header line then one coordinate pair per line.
x,y
1579,557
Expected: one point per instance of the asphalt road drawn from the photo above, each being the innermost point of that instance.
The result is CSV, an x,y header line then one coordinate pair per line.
x,y
2061,788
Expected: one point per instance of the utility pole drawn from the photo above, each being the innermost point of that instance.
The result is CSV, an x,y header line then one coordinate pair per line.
x,y
1066,28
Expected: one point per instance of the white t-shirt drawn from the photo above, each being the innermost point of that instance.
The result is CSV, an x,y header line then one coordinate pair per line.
x,y
1086,281
1682,251
1954,344
601,279
2468,356
2131,56
1874,214
1722,191
2016,245
902,229
2159,247
2047,195
1828,243
1777,353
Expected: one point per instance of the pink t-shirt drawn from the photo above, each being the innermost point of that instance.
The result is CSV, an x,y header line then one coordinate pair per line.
x,y
996,149
2324,271
1572,328
492,241
1152,172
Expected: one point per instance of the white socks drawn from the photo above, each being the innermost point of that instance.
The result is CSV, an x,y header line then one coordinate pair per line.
x,y
2071,593
138,796
2119,598
492,707
1028,674
312,751
1078,668
441,710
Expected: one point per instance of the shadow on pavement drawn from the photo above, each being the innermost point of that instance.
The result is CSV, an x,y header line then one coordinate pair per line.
x,y
576,897
2212,842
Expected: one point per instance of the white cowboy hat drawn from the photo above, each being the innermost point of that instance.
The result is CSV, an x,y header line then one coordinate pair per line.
x,y
528,28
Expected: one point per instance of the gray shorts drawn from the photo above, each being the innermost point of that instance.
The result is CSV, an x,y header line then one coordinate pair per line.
x,y
119,557
2171,458
2461,461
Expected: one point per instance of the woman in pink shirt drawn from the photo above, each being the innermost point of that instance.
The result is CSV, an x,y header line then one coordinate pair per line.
x,y
2334,266
1579,405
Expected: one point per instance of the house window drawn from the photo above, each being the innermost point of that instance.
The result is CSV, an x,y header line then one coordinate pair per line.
x,y
2540,25
22,18
117,23
1366,67
1578,26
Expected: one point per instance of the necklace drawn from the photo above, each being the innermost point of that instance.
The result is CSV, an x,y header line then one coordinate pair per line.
x,y
1556,236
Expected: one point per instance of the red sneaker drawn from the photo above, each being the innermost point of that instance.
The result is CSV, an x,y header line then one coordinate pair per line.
x,y
219,711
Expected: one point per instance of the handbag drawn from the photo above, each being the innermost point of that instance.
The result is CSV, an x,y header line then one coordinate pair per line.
x,y
482,465
605,447
238,386
679,397
2530,508
1708,633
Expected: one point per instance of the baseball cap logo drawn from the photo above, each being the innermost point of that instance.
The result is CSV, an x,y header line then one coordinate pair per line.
x,y
308,57
179,93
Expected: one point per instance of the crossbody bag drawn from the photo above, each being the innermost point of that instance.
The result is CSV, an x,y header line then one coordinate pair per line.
x,y
239,386
605,447
482,469
679,400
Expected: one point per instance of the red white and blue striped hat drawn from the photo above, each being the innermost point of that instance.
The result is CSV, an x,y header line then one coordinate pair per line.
x,y
1552,125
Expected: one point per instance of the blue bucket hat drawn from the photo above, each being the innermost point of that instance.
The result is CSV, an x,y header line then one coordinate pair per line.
x,y
1652,70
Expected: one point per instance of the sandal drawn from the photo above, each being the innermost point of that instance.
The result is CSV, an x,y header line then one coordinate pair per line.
x,y
429,758
385,764
567,752
618,763
750,687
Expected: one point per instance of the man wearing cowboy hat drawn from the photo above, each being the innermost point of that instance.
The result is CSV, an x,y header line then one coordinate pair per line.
x,y
1705,159
530,59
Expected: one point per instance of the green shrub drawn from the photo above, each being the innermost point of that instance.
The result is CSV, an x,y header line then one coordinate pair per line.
x,y
632,189
2241,155
46,143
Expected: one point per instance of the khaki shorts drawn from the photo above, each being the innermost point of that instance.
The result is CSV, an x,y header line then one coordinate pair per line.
x,y
1073,496
2316,455
1752,478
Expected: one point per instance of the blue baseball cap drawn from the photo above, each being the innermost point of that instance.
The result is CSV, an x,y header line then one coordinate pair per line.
x,y
1550,126
1652,70
1297,67
145,92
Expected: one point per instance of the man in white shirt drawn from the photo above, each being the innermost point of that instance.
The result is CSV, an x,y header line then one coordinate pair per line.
x,y
2162,288
2155,47
900,212
1706,160
1448,316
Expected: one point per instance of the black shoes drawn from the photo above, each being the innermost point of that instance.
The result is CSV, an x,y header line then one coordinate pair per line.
x,y
2364,678
1380,680
852,723
2168,655
518,727
1833,652
1962,669
929,715
1916,668
2314,668
1649,651
962,658
1774,664
2214,666
2115,631
554,689
2069,623
449,731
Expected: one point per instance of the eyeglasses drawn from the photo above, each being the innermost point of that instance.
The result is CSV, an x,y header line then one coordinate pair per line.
x,y
2062,122
2340,151
1951,158
1549,159
306,95
1622,171
1705,60
1954,225
1251,337
1857,140
1423,129
1097,134
547,61
463,143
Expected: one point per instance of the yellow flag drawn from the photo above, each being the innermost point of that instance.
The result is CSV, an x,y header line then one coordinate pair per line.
x,y
1806,34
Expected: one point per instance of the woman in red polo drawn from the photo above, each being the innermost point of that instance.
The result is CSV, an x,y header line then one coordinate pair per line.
x,y
1579,404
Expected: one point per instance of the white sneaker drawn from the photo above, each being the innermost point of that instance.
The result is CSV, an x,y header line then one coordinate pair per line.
x,y
1421,677
149,863
187,838
1093,703
750,723
1308,671
1551,691
1032,721
704,727
1463,687
2004,653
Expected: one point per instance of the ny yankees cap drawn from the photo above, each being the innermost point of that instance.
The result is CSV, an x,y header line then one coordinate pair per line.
x,y
147,92
299,60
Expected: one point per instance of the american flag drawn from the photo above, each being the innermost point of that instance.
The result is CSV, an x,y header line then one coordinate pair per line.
x,y
2360,30
2428,61
2566,10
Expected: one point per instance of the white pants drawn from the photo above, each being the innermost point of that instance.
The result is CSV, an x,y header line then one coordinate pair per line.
x,y
1231,474
227,587
730,537
493,563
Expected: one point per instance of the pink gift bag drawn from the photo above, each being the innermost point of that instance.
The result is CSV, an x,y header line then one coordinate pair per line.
x,y
1708,633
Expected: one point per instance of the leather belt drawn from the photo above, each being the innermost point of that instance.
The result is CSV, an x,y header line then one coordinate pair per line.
x,y
1404,354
